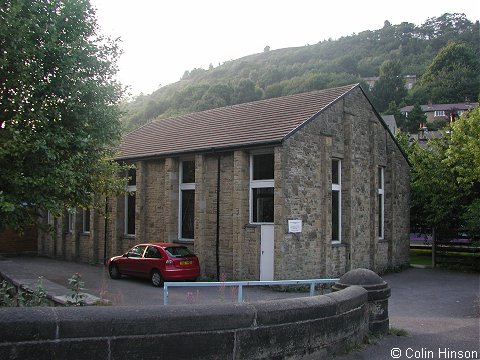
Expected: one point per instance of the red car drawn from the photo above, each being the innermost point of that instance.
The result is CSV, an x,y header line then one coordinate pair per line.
x,y
157,262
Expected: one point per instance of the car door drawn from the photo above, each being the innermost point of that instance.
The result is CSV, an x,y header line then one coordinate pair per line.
x,y
152,259
131,264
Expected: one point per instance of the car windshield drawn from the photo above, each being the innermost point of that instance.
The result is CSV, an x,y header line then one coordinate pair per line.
x,y
178,251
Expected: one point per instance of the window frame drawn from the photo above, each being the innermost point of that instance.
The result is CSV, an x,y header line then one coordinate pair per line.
x,y
70,216
50,218
381,203
181,188
260,184
439,113
337,187
86,221
131,189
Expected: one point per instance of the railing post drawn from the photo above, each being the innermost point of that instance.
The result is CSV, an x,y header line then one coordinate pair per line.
x,y
165,294
240,294
434,248
312,288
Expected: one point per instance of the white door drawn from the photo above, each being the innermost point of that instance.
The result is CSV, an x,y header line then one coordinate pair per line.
x,y
266,252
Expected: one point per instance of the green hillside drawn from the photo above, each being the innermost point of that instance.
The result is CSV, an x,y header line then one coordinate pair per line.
x,y
390,52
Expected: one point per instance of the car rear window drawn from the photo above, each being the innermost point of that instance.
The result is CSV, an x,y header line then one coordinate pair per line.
x,y
178,251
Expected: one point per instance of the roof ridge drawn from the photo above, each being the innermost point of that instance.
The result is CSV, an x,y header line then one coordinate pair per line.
x,y
245,104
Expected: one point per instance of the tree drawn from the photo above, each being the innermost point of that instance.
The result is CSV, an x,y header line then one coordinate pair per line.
x,y
246,91
445,178
463,157
414,119
59,121
390,85
452,76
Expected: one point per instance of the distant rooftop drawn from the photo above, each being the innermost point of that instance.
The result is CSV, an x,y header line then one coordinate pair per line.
x,y
443,107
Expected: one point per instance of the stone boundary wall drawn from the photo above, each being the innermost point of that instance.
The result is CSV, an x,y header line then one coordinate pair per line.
x,y
312,327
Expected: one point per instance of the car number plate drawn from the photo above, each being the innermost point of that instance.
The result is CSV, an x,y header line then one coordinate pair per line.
x,y
186,262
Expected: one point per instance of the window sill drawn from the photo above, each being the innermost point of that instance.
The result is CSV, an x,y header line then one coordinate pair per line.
x,y
128,236
338,245
184,241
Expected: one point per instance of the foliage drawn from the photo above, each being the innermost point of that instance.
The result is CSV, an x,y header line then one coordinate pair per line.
x,y
414,119
9,297
463,158
76,285
58,112
6,294
390,85
445,178
463,155
452,77
326,64
37,297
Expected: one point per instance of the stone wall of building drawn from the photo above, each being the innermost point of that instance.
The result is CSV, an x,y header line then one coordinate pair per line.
x,y
351,132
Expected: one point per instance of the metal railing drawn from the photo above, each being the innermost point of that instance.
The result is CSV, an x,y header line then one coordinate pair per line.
x,y
241,284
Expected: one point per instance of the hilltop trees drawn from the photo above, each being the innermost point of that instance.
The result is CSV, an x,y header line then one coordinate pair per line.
x,y
58,118
326,64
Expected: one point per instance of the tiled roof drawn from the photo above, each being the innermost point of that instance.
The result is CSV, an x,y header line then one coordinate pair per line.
x,y
254,123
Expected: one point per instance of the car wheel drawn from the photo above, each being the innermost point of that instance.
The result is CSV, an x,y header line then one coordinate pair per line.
x,y
114,272
156,278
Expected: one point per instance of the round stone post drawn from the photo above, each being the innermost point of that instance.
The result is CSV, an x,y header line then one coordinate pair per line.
x,y
378,294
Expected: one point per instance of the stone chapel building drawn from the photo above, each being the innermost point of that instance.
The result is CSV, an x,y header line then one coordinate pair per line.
x,y
302,186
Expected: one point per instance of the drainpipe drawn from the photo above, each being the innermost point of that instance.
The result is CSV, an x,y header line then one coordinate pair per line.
x,y
105,230
217,242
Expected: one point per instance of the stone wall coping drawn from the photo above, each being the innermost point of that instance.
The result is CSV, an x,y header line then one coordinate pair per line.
x,y
56,323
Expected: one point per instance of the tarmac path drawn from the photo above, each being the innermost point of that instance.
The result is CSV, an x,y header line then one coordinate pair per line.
x,y
439,309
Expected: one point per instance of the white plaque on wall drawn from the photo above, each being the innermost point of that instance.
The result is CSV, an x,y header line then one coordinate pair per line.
x,y
294,226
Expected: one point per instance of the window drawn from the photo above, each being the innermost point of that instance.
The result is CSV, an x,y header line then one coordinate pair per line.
x,y
71,216
130,199
187,200
381,202
152,253
178,251
86,221
137,251
50,218
336,201
262,188
439,113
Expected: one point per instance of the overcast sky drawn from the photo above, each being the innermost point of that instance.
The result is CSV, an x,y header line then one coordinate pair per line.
x,y
163,38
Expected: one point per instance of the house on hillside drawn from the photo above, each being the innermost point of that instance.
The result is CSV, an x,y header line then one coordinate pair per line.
x,y
410,80
442,112
302,186
391,123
